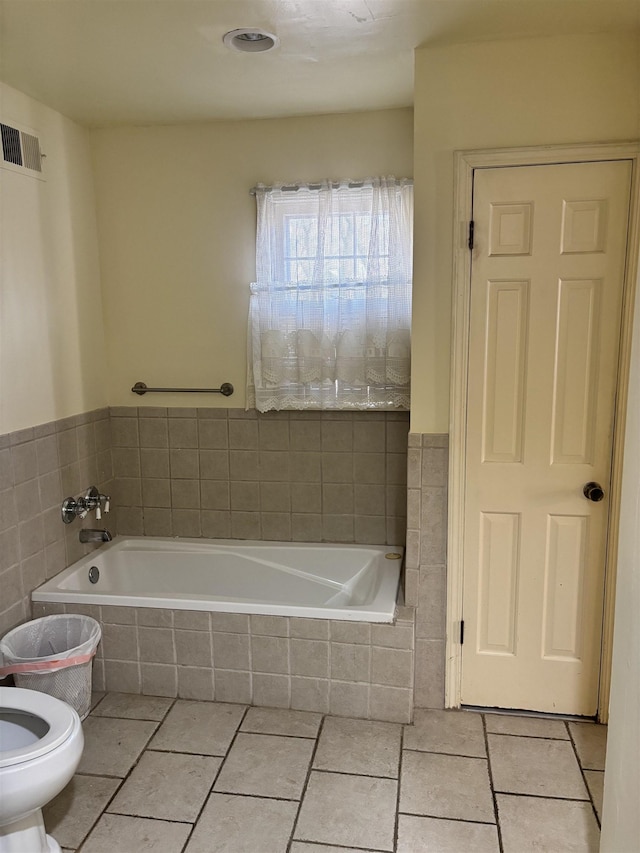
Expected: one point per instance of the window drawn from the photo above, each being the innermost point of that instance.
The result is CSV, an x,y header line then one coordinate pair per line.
x,y
330,311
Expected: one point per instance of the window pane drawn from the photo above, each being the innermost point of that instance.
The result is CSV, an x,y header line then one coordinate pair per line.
x,y
301,272
346,234
303,235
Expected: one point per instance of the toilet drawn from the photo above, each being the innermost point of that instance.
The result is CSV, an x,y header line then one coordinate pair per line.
x,y
41,744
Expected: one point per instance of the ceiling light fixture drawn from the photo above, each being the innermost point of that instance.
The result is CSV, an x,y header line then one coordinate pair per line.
x,y
250,40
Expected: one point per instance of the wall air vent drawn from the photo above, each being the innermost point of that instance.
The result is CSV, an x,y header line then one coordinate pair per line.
x,y
20,151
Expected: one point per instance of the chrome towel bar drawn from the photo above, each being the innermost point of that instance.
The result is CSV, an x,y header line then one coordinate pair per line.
x,y
226,389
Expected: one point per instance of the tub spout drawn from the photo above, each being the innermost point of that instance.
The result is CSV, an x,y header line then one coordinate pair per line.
x,y
88,535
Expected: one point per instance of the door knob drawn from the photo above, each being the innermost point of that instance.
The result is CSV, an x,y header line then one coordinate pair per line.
x,y
593,492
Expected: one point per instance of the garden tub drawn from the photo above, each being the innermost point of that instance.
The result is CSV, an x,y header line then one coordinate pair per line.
x,y
320,581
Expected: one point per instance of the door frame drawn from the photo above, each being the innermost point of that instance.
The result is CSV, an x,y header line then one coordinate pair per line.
x,y
465,164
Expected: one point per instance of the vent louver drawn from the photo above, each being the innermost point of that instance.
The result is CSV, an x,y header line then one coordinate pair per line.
x,y
20,151
11,145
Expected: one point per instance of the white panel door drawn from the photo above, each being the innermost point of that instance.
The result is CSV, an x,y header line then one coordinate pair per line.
x,y
546,295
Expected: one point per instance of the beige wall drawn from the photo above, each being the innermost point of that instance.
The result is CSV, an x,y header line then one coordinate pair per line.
x,y
52,356
177,235
542,91
177,224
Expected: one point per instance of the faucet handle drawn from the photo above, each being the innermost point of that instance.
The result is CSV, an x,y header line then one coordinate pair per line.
x,y
80,507
102,505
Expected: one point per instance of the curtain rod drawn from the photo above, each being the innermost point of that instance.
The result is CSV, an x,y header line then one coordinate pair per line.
x,y
293,188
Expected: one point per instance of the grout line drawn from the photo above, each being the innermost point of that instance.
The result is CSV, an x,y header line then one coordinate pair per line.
x,y
242,795
450,754
396,827
167,751
455,819
584,778
215,778
277,734
531,737
493,791
342,847
543,797
151,817
98,775
306,783
128,719
124,778
351,773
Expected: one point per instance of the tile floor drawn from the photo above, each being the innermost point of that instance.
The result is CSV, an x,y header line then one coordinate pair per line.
x,y
177,776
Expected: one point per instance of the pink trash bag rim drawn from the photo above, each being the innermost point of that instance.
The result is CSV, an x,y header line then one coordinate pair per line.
x,y
83,646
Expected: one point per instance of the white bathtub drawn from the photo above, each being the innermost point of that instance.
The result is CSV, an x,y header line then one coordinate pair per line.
x,y
352,582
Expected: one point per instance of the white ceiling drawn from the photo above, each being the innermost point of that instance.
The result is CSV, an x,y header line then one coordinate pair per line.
x,y
105,62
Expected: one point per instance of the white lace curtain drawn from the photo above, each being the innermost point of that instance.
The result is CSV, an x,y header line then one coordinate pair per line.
x,y
330,311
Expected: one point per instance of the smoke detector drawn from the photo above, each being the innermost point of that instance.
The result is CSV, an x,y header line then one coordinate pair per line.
x,y
250,40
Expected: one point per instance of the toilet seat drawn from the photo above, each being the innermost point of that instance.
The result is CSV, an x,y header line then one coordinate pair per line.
x,y
60,717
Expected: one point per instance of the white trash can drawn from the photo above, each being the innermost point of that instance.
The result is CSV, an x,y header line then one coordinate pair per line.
x,y
53,655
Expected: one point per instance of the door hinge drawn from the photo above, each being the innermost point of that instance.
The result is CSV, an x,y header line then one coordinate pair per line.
x,y
471,230
461,631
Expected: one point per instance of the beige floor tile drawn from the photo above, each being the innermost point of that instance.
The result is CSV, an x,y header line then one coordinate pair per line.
x,y
279,721
169,786
449,786
430,835
546,768
231,824
359,746
266,766
534,824
348,811
510,724
70,815
133,706
591,744
111,747
203,728
595,784
453,732
119,834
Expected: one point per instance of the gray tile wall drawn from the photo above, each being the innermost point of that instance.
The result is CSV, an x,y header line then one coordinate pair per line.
x,y
293,476
353,669
426,561
40,466
305,476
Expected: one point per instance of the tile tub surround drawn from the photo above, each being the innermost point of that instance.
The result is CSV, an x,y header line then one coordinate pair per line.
x,y
39,467
353,669
294,476
177,776
426,561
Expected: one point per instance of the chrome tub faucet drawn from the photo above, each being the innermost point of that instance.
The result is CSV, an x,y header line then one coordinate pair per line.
x,y
92,535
